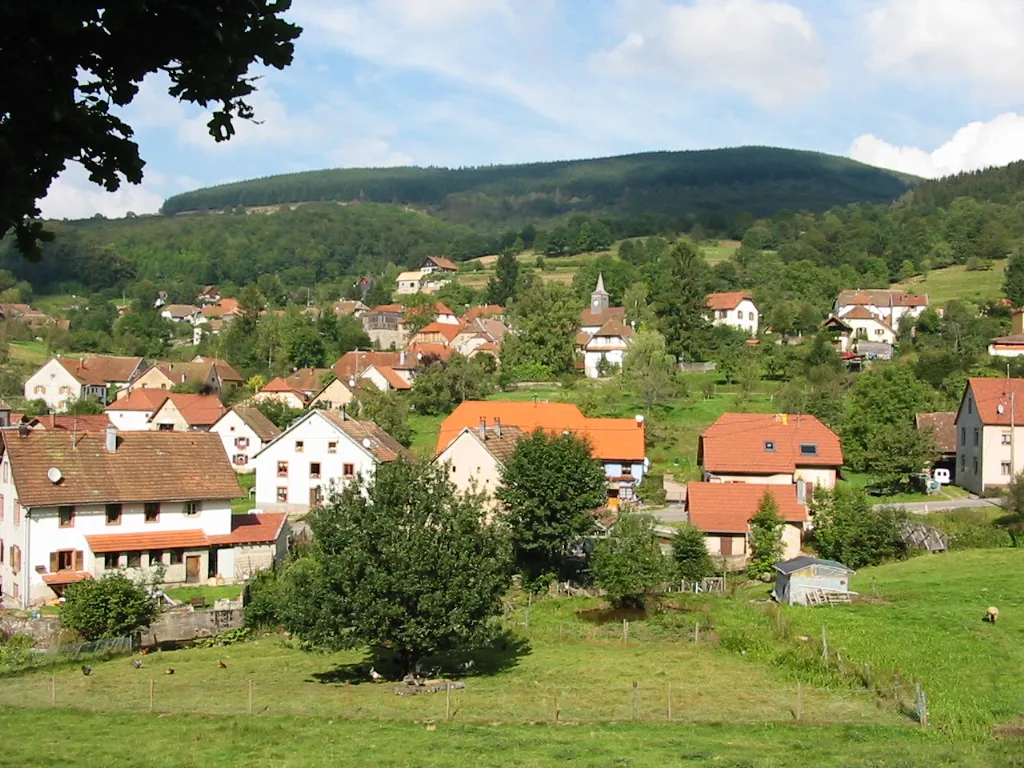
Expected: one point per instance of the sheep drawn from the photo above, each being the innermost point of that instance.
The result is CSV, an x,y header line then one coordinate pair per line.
x,y
991,615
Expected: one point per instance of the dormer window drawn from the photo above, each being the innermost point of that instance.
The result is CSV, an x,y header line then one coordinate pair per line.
x,y
808,449
769,445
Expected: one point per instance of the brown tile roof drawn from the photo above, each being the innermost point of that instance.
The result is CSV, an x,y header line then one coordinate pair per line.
x,y
738,443
860,312
727,507
147,466
589,319
614,328
943,424
501,448
135,542
225,370
345,307
392,378
442,262
197,410
880,297
140,400
485,310
493,330
382,445
180,373
84,423
308,380
387,309
65,577
447,330
355,362
727,300
990,394
180,310
101,369
264,428
1013,339
254,528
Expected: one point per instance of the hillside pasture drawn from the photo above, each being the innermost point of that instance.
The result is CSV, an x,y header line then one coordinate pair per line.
x,y
957,282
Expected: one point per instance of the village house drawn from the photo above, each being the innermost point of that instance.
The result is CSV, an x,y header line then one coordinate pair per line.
x,y
385,378
735,309
67,423
890,304
722,511
353,363
294,390
435,272
209,295
779,449
436,333
387,328
476,455
181,313
599,313
336,394
77,507
181,412
438,265
989,434
209,374
321,450
941,425
61,381
1013,344
244,432
605,350
354,308
619,444
410,282
480,335
484,312
867,325
134,411
32,318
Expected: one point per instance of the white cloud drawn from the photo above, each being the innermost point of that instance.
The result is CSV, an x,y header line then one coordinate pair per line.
x,y
978,41
73,196
977,145
765,49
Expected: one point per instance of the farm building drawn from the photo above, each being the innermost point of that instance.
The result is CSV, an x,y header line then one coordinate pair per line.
x,y
796,578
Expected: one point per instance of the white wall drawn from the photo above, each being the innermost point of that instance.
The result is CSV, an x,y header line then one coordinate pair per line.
x,y
745,317
53,384
230,428
130,421
11,534
470,463
592,359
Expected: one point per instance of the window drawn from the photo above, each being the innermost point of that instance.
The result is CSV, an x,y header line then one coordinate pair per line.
x,y
808,449
191,508
349,470
156,557
113,514
1,555
299,446
166,428
17,513
241,442
2,503
66,517
134,559
64,560
64,390
750,316
39,390
963,435
282,494
970,405
314,470
1004,468
332,447
177,556
112,561
15,558
975,465
1006,438
769,445
240,459
151,511
282,469
963,463
627,470
975,435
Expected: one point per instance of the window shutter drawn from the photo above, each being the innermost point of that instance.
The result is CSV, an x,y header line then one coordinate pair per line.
x,y
54,566
78,559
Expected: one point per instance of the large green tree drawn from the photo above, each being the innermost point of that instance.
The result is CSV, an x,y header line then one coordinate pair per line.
x,y
628,565
849,529
765,537
549,487
403,563
648,369
690,552
1013,282
679,299
502,288
66,64
544,322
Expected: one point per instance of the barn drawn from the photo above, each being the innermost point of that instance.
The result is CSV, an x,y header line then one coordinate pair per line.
x,y
795,579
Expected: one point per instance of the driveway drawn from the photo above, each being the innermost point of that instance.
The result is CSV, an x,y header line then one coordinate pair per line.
x,y
942,505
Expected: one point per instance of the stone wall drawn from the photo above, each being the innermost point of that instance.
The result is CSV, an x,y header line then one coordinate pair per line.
x,y
179,625
43,630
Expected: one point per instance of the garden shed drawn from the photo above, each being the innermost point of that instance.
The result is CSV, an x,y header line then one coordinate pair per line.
x,y
800,577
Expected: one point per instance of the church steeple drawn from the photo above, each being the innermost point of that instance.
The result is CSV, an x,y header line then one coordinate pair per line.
x,y
599,298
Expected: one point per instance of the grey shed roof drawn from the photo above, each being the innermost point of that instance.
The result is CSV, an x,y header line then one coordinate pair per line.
x,y
798,563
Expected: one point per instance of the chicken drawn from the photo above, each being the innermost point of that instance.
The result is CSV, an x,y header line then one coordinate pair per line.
x,y
169,671
136,663
375,675
222,665
86,671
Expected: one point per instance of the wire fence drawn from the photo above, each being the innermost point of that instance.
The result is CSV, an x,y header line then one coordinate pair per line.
x,y
107,646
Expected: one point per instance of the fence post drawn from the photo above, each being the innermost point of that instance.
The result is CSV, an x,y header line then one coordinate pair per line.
x,y
670,701
824,643
447,701
696,633
922,705
867,673
53,690
152,684
625,630
636,698
799,700
250,695
556,704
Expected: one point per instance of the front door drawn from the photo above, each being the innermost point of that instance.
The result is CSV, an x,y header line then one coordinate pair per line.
x,y
726,546
192,569
315,496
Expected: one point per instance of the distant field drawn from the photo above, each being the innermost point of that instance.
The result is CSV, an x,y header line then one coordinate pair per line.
x,y
33,352
944,285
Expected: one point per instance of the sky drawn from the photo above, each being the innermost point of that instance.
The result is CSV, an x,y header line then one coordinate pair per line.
x,y
929,87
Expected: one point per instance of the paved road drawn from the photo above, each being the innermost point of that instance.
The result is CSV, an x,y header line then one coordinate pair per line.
x,y
942,505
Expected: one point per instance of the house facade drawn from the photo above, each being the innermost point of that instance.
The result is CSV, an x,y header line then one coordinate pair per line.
x,y
735,309
182,412
599,312
989,434
475,457
1013,344
891,305
409,282
605,350
134,411
244,431
61,381
337,394
321,450
77,507
865,324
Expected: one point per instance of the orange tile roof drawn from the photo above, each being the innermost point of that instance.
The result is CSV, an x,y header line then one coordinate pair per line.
x,y
448,330
727,300
65,577
84,423
989,394
147,466
197,410
727,507
881,297
136,542
392,378
355,362
485,310
387,309
254,528
308,380
140,400
429,349
737,444
590,319
101,369
610,439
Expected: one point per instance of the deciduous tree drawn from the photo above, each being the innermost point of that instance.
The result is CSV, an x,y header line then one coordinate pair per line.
x,y
628,565
848,529
690,552
765,537
112,606
648,369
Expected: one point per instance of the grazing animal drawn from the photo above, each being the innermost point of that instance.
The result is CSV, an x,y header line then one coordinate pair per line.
x,y
143,651
468,666
136,663
375,675
222,665
169,671
991,615
86,671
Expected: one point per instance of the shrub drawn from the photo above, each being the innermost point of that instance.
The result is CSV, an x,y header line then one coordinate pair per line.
x,y
971,529
691,553
113,606
848,529
628,565
765,537
263,594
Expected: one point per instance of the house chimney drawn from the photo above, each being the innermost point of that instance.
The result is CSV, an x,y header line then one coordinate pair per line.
x,y
483,428
401,357
111,435
1018,320
497,427
801,492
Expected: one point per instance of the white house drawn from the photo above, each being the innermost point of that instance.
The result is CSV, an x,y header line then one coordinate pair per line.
x,y
182,313
410,282
476,456
605,349
599,312
297,468
890,304
61,381
244,431
133,413
76,506
865,324
1012,345
735,309
990,434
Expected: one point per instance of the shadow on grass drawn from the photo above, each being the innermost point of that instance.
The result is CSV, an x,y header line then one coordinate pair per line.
x,y
501,655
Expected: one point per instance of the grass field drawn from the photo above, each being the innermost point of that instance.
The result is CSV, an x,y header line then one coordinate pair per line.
x,y
33,352
943,285
243,503
184,594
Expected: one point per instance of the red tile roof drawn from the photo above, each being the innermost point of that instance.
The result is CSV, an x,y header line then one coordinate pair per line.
x,y
355,362
136,542
447,330
990,394
429,349
387,309
727,300
65,577
197,410
610,439
727,507
881,297
485,310
101,369
308,380
738,443
85,423
253,528
943,426
589,319
140,400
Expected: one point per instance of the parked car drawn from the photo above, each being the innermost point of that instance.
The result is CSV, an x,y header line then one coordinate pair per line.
x,y
941,475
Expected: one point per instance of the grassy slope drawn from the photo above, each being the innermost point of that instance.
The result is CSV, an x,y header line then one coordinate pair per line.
x,y
943,285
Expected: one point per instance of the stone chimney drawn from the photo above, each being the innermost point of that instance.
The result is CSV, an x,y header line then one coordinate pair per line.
x,y
801,492
1018,320
482,429
497,427
111,435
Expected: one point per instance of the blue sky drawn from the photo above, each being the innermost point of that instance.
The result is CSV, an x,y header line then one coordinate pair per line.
x,y
925,86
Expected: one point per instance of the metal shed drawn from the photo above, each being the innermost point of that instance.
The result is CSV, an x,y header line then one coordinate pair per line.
x,y
796,578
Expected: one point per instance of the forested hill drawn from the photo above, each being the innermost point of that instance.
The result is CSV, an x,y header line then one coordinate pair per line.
x,y
668,185
1003,185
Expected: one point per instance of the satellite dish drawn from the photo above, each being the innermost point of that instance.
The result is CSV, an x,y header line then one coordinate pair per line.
x,y
639,418
366,442
1000,408
54,475
352,382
